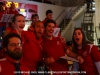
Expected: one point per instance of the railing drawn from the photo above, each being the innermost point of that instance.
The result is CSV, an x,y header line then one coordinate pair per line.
x,y
60,14
72,12
65,3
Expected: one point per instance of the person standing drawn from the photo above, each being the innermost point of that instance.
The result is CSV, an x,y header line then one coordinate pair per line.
x,y
49,15
34,18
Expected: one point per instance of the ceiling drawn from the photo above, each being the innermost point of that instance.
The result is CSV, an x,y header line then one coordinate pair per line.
x,y
68,3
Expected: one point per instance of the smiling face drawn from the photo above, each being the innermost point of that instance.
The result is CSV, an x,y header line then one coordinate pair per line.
x,y
78,37
39,29
19,23
49,15
49,29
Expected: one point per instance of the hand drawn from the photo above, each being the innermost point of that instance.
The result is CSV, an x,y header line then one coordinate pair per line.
x,y
49,60
80,59
63,40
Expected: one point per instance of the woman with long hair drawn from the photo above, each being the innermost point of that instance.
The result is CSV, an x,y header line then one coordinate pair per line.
x,y
87,51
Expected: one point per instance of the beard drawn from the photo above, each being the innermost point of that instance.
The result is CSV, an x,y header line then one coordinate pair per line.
x,y
16,55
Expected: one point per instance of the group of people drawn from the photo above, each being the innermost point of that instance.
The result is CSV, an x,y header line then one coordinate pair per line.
x,y
25,51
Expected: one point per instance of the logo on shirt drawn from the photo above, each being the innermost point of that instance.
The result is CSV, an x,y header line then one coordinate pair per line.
x,y
58,42
85,53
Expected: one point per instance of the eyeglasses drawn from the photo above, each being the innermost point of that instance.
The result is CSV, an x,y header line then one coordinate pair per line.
x,y
15,45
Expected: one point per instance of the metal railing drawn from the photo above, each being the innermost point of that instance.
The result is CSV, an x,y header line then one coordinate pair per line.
x,y
60,14
72,12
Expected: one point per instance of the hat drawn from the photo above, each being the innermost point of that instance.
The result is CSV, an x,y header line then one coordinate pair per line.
x,y
1,3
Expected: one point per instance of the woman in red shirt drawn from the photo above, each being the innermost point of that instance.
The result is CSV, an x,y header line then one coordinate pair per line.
x,y
18,23
87,51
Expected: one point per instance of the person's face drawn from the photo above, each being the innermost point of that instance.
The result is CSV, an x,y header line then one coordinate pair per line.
x,y
78,37
49,15
14,48
13,6
3,7
19,23
49,29
39,29
35,19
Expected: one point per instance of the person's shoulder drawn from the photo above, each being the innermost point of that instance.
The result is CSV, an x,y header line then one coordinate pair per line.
x,y
57,38
91,45
44,20
9,28
2,60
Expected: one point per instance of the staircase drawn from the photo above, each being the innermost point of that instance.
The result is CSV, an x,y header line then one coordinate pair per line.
x,y
66,25
88,25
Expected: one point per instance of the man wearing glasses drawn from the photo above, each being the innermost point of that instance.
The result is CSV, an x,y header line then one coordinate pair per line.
x,y
12,65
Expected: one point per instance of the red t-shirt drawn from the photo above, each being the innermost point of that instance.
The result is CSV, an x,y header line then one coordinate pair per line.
x,y
31,50
55,48
12,30
7,67
10,11
89,60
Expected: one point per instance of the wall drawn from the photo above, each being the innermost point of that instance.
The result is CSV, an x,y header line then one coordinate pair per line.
x,y
97,12
77,23
42,7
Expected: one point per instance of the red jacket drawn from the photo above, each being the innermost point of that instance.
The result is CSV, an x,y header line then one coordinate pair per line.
x,y
7,67
89,60
55,48
31,50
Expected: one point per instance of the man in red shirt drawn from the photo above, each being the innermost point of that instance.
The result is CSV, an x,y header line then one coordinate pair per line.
x,y
31,48
54,48
12,65
12,9
49,14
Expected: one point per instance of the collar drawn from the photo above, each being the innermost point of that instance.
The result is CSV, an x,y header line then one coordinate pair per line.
x,y
10,59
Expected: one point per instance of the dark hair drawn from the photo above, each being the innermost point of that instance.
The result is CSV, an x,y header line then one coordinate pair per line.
x,y
1,8
36,23
49,21
15,16
1,3
7,37
85,41
33,15
48,11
